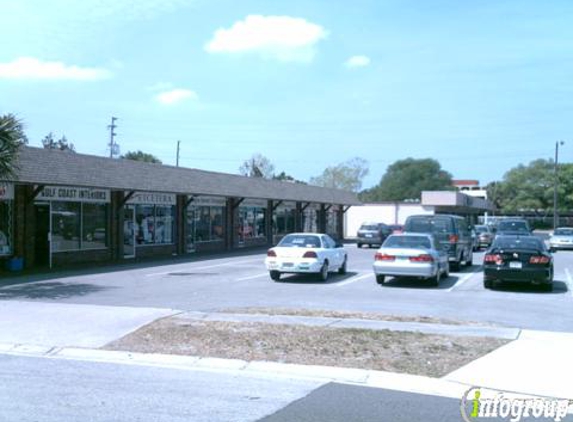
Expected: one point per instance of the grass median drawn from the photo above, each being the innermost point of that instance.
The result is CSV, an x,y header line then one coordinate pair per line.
x,y
395,351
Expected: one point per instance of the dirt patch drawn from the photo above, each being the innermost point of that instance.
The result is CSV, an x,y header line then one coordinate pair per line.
x,y
371,316
405,352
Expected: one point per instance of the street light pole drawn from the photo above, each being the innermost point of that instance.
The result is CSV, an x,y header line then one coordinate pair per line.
x,y
555,183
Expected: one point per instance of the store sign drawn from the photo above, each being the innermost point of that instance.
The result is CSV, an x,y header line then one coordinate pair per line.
x,y
151,198
212,201
6,191
73,194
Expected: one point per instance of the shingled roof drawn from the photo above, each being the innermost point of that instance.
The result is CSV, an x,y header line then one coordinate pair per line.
x,y
40,166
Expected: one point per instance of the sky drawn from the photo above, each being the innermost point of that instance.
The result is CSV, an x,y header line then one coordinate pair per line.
x,y
481,86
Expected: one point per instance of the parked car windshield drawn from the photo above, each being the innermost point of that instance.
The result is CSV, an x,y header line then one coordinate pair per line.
x,y
528,243
563,232
300,241
417,242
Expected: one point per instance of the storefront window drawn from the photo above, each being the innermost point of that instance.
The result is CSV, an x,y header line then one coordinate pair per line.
x,y
66,225
94,221
204,224
284,221
6,227
310,220
251,223
154,224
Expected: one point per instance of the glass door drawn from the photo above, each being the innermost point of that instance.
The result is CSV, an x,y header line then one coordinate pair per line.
x,y
128,232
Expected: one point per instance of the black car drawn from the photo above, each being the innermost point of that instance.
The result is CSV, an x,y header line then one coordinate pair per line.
x,y
518,259
372,234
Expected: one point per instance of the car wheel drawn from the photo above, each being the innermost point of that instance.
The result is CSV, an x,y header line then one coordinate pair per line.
x,y
488,284
435,280
342,269
359,245
470,259
380,278
275,275
323,274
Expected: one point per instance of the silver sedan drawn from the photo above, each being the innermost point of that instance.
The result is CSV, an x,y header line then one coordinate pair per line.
x,y
561,238
411,255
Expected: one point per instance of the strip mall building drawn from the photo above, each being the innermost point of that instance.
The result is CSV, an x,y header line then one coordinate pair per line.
x,y
65,208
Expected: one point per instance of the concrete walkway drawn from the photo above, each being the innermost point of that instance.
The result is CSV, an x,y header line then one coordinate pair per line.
x,y
60,325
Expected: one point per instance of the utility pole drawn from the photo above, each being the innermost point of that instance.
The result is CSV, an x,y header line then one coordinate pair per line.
x,y
555,183
178,142
113,147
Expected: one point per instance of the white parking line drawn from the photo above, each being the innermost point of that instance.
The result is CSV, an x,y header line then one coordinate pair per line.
x,y
569,281
462,280
353,279
253,277
207,267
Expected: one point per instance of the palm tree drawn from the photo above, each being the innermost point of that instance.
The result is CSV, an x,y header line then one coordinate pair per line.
x,y
11,137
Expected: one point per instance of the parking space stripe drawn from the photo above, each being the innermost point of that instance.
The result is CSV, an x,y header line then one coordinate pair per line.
x,y
253,277
463,280
353,279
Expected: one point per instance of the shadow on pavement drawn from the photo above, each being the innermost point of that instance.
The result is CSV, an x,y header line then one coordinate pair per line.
x,y
333,278
53,290
45,274
559,288
416,283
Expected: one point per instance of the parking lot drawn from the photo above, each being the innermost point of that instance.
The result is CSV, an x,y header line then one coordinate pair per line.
x,y
223,283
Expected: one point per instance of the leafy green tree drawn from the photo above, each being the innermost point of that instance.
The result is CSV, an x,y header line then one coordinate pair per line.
x,y
529,188
346,176
141,156
61,144
11,138
406,179
257,166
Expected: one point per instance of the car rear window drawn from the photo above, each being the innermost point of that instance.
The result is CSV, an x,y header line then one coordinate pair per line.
x,y
527,243
563,232
429,225
368,227
481,229
416,242
514,226
300,241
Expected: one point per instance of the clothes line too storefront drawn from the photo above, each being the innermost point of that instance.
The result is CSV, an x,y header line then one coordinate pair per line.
x,y
71,225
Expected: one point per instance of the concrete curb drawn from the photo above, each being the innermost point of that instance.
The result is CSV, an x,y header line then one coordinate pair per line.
x,y
264,369
420,327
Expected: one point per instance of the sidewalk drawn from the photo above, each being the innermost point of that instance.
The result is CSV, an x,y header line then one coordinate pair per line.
x,y
535,363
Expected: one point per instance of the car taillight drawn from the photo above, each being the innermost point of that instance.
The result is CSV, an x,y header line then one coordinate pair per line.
x,y
271,253
453,238
493,258
384,257
422,258
539,260
310,254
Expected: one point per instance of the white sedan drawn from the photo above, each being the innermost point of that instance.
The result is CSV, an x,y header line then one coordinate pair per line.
x,y
306,253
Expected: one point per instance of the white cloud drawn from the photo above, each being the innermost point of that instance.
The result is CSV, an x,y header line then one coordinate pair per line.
x,y
357,61
282,38
176,96
32,68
